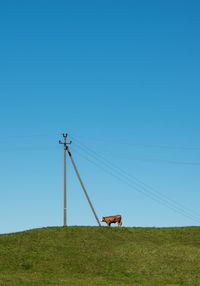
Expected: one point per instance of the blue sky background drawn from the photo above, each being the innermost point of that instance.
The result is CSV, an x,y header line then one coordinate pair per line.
x,y
122,77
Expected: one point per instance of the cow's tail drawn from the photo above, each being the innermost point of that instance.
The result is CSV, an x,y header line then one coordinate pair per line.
x,y
120,222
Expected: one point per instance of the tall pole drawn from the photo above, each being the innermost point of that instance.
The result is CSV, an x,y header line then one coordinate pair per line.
x,y
65,179
83,187
65,183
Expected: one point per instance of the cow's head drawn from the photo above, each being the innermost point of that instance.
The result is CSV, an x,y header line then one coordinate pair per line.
x,y
103,219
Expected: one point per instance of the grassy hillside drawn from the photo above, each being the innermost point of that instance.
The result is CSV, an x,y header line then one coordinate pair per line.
x,y
101,256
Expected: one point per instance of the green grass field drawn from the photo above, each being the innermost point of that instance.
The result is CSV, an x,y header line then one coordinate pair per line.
x,y
101,256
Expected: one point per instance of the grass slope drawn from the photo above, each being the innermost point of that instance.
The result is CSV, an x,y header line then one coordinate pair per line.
x,y
101,256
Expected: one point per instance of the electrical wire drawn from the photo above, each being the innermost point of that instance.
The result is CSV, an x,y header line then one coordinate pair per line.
x,y
154,160
127,174
143,145
23,136
149,195
143,187
141,182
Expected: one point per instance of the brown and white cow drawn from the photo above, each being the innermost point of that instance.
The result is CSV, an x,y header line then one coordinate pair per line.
x,y
112,219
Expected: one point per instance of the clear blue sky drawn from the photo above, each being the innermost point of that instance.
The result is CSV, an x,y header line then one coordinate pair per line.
x,y
122,77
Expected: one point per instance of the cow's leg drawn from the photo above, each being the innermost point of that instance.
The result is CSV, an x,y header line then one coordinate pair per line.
x,y
120,223
109,224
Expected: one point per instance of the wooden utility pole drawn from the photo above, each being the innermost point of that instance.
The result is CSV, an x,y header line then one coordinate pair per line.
x,y
66,149
65,179
83,187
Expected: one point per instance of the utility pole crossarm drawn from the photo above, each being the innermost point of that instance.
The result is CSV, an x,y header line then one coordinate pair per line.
x,y
83,187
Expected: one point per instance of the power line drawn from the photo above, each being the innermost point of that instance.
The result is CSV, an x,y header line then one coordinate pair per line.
x,y
154,160
143,145
139,181
147,188
131,176
26,136
29,149
149,195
